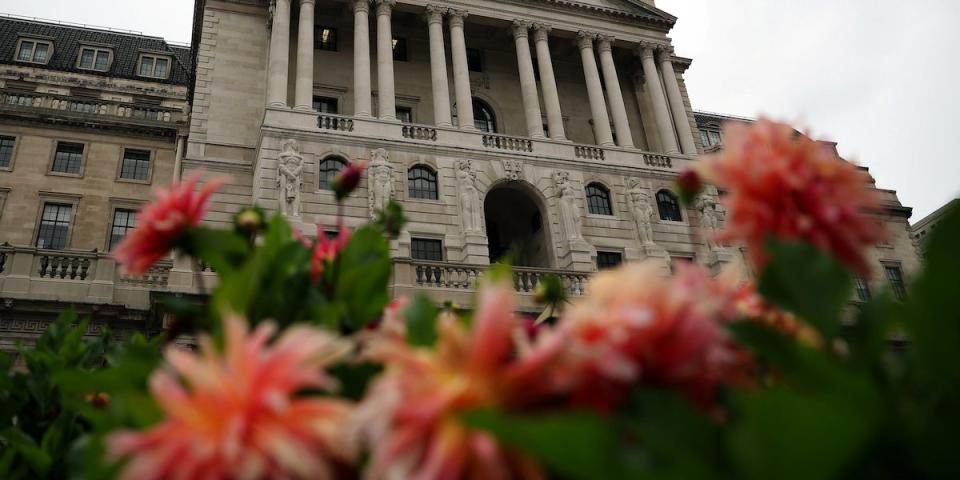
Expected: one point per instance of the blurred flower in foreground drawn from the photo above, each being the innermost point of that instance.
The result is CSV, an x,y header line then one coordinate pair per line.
x,y
409,418
785,185
161,223
237,413
635,326
346,181
326,249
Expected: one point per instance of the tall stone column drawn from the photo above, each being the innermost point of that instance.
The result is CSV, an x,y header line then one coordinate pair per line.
x,y
598,108
303,94
677,107
461,73
279,65
361,58
618,109
386,91
548,82
528,81
660,111
438,66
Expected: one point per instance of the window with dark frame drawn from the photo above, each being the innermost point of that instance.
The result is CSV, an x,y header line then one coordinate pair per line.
x,y
6,150
483,117
598,200
405,114
400,50
124,220
326,105
329,168
668,206
474,60
54,226
154,66
34,51
426,249
422,183
68,158
607,260
97,59
325,38
135,164
863,289
895,277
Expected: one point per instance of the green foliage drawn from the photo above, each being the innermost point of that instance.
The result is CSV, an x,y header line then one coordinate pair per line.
x,y
421,318
390,220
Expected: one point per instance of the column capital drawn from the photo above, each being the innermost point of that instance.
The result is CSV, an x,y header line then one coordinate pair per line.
x,y
435,13
605,42
645,49
360,5
665,52
520,28
307,2
585,39
541,31
385,7
457,17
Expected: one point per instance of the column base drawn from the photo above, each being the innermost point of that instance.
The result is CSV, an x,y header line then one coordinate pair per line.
x,y
278,105
389,118
608,144
303,108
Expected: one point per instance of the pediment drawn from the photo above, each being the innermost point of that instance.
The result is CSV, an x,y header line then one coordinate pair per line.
x,y
633,8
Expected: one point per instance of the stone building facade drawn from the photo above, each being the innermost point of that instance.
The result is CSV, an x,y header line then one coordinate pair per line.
x,y
90,121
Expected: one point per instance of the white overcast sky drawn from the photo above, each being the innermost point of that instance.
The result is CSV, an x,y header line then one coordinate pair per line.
x,y
878,76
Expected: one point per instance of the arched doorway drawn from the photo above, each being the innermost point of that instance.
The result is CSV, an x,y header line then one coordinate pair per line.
x,y
517,226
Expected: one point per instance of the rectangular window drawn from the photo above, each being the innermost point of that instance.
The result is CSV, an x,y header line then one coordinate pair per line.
x,y
474,60
135,165
68,158
326,105
607,260
895,277
325,38
400,50
124,220
426,249
54,226
6,151
863,289
97,59
405,114
154,66
34,51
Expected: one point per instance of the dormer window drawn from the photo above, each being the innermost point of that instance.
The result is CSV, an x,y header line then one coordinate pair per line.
x,y
153,66
34,51
94,58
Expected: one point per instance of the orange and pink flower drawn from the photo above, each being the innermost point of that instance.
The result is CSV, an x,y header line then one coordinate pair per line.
x,y
410,417
325,250
782,184
237,413
161,223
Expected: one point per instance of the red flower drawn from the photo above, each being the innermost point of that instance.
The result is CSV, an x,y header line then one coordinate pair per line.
x,y
348,178
161,223
785,185
326,250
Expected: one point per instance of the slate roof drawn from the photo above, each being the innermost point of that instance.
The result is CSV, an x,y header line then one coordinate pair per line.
x,y
66,47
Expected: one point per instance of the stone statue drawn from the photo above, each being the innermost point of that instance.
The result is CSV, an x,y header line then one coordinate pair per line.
x,y
709,220
569,210
381,181
290,177
642,209
469,197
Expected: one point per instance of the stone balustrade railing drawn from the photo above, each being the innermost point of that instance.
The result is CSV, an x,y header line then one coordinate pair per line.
x,y
504,142
335,122
89,106
419,132
588,152
72,266
462,277
657,160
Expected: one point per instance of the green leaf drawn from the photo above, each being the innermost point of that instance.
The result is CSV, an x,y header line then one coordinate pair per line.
x,y
577,445
38,460
808,282
363,277
354,378
421,319
222,249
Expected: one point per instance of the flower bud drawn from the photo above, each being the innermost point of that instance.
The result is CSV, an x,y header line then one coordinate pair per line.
x,y
347,179
550,291
689,185
249,220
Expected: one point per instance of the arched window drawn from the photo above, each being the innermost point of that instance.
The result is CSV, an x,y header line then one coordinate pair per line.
x,y
598,200
329,168
483,117
668,206
422,183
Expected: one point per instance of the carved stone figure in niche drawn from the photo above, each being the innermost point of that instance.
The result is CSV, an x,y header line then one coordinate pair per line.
x,y
569,210
290,177
381,181
469,197
642,208
709,220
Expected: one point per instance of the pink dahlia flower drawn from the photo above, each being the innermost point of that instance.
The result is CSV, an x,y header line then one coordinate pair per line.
x,y
237,413
635,326
785,185
162,222
410,417
326,250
